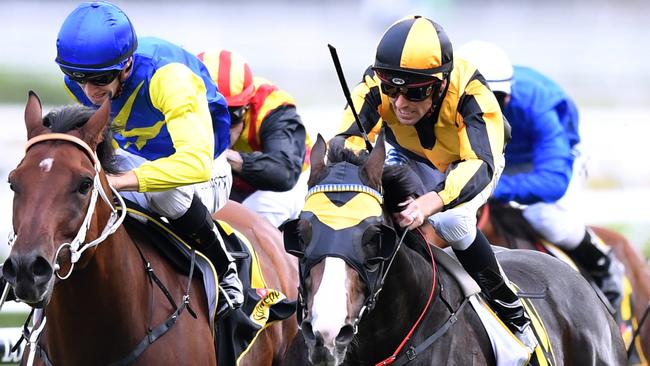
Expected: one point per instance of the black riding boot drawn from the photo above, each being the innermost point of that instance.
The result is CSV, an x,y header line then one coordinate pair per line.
x,y
481,263
606,271
197,223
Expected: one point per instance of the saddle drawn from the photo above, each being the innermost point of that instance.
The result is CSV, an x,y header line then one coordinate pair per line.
x,y
236,333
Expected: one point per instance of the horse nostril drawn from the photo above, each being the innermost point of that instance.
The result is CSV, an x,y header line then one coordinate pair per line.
x,y
41,267
345,336
9,270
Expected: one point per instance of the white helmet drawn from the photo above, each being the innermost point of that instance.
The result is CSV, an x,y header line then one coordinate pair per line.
x,y
492,62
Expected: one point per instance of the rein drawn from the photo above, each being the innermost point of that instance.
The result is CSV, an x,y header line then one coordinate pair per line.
x,y
412,352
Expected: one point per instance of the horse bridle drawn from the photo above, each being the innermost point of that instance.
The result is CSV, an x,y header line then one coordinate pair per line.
x,y
77,245
374,279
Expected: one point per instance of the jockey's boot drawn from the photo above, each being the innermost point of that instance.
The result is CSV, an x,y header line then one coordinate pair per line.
x,y
481,263
197,223
596,258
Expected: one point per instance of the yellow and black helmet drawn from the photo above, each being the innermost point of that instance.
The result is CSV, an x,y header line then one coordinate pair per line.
x,y
417,47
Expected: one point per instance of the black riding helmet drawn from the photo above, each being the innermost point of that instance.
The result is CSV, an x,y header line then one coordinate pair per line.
x,y
414,51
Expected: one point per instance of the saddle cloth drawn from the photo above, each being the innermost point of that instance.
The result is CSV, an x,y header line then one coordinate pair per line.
x,y
262,306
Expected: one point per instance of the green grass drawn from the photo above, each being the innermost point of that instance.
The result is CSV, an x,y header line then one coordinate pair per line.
x,y
10,320
15,83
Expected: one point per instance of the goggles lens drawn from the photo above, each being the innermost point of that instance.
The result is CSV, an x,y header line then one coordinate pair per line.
x,y
412,93
96,78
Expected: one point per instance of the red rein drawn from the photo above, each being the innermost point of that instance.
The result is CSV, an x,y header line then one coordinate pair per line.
x,y
393,357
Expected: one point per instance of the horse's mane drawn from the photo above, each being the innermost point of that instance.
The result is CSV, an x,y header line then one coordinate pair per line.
x,y
399,181
70,117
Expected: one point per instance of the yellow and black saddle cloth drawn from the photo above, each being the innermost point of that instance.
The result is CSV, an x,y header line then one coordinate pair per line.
x,y
262,306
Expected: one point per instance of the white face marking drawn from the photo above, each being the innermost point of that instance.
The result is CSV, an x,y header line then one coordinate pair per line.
x,y
329,309
46,164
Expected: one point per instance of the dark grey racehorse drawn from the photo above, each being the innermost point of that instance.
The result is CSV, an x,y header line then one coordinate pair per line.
x,y
345,241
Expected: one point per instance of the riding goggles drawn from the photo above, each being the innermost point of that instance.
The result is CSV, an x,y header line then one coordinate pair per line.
x,y
414,93
101,78
237,114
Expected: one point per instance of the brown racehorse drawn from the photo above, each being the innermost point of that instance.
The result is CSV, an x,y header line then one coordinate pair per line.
x,y
280,272
506,226
108,305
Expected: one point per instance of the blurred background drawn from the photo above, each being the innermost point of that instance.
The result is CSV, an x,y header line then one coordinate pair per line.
x,y
593,48
596,49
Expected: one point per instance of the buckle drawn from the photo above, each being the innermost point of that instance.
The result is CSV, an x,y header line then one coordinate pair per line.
x,y
411,354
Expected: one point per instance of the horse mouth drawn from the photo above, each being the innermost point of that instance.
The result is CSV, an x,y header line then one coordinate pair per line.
x,y
33,295
325,356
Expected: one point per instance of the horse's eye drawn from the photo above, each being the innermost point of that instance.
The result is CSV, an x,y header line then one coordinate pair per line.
x,y
85,186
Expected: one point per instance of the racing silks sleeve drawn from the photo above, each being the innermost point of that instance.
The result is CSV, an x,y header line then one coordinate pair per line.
x,y
547,179
279,164
180,95
480,131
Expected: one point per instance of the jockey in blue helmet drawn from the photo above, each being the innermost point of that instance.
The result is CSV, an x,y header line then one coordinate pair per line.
x,y
169,120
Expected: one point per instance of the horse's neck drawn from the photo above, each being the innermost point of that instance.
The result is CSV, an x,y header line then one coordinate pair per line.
x,y
108,295
408,286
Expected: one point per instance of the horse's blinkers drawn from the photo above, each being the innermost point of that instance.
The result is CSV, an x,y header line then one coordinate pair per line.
x,y
328,242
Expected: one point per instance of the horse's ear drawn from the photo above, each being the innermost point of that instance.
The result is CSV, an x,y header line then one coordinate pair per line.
x,y
317,160
374,166
93,130
34,116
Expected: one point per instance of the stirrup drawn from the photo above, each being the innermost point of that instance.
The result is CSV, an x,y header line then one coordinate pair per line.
x,y
527,337
228,304
225,305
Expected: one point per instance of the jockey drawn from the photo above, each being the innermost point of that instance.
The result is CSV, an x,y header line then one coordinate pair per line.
x,y
168,120
268,140
545,168
445,123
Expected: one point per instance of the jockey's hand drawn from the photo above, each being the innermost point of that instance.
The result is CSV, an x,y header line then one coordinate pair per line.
x,y
124,182
235,160
416,211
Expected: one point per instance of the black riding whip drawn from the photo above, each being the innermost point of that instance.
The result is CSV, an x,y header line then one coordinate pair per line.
x,y
346,92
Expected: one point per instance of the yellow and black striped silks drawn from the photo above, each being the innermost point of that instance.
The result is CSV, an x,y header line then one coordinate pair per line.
x,y
464,140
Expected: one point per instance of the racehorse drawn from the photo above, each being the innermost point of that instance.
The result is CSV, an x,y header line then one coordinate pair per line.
x,y
107,296
505,225
349,251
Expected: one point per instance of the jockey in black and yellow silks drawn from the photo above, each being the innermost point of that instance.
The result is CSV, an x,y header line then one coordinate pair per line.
x,y
168,120
269,144
442,120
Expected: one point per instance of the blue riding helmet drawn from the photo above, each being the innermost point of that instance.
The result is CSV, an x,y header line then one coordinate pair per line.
x,y
95,37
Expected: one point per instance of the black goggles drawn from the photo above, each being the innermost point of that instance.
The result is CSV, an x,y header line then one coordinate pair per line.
x,y
237,114
414,93
101,78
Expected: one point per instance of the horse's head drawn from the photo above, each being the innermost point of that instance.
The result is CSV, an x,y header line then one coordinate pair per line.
x,y
53,187
343,244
